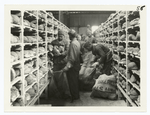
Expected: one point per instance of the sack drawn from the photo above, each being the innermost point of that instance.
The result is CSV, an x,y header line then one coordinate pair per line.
x,y
86,73
105,87
88,58
59,86
86,78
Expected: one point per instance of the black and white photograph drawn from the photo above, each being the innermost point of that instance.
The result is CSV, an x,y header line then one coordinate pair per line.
x,y
59,57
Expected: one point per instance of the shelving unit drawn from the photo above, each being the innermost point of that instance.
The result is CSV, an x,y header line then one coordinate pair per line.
x,y
121,33
31,34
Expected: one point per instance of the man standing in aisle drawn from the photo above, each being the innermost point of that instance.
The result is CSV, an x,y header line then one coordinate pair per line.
x,y
103,56
73,65
88,30
89,36
60,50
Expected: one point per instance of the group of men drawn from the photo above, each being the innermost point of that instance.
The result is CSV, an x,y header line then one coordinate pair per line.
x,y
69,60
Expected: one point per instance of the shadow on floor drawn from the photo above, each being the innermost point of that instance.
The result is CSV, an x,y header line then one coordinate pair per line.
x,y
85,100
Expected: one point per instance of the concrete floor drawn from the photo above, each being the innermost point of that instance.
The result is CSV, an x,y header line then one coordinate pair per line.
x,y
85,100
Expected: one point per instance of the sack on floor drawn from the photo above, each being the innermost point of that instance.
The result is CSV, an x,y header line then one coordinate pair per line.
x,y
105,87
59,86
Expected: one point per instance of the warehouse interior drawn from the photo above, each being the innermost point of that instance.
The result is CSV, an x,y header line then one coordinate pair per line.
x,y
34,82
78,20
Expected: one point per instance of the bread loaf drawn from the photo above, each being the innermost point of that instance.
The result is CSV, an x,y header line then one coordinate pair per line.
x,y
132,66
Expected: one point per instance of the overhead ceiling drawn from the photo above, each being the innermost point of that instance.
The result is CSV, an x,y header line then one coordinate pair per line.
x,y
82,12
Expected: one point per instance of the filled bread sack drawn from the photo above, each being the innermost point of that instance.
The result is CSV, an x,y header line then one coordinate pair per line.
x,y
105,87
87,72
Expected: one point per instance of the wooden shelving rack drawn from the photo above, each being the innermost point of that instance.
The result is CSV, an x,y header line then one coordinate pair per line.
x,y
110,33
39,26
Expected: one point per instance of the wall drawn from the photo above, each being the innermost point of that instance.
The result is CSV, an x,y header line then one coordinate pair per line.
x,y
80,21
80,30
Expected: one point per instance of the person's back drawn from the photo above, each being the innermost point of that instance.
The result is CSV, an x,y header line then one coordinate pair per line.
x,y
75,48
73,65
100,47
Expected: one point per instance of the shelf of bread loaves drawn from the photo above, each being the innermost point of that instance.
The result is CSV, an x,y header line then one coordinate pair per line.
x,y
16,38
30,100
134,50
134,94
50,27
43,88
29,36
16,92
133,18
30,21
41,37
50,37
42,22
15,74
15,54
42,82
31,40
120,51
42,14
16,17
31,95
42,60
126,96
50,19
133,34
15,25
30,66
31,87
31,13
18,101
30,51
133,79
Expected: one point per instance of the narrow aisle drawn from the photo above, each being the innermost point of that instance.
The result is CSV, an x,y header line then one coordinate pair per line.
x,y
85,100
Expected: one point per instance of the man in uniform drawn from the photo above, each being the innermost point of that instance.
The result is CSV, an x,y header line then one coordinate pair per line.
x,y
72,67
60,51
